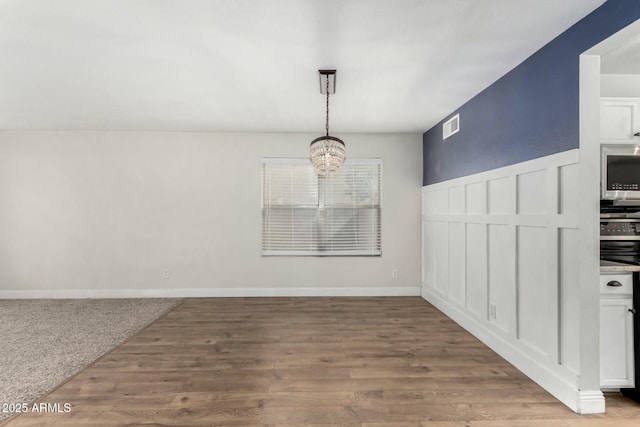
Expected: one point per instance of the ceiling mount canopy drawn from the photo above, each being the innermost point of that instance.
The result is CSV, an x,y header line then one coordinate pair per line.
x,y
327,152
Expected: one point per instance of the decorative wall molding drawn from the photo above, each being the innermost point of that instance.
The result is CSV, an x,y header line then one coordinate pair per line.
x,y
560,384
211,292
590,402
501,257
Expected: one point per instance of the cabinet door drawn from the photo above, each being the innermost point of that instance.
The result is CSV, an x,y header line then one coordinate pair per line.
x,y
618,121
616,343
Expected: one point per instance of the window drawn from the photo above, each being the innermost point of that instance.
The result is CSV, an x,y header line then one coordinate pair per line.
x,y
303,214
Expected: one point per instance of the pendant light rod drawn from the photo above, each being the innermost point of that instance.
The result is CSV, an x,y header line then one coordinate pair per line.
x,y
328,77
327,122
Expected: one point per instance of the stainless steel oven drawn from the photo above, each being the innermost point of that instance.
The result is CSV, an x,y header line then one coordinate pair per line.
x,y
620,244
620,239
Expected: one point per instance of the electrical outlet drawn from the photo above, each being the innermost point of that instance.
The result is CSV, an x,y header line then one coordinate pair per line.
x,y
492,311
166,274
394,273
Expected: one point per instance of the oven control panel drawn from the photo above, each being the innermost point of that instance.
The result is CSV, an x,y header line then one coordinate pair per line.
x,y
619,228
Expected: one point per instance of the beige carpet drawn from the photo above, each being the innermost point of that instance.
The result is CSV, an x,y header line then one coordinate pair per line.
x,y
44,342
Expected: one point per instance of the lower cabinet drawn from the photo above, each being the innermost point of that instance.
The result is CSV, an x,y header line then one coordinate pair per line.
x,y
616,331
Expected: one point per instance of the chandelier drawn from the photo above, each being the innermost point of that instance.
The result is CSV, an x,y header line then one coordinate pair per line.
x,y
327,152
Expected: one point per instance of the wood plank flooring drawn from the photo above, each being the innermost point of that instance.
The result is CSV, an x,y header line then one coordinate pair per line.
x,y
367,362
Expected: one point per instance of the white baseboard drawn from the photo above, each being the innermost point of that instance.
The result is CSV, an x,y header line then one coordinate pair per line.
x,y
590,402
586,402
211,292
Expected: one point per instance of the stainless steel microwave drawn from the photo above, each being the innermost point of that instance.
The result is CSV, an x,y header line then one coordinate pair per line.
x,y
621,172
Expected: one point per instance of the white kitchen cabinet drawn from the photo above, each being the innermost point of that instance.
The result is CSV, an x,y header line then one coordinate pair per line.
x,y
616,332
619,120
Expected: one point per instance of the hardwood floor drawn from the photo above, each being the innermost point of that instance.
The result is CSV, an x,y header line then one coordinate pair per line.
x,y
366,362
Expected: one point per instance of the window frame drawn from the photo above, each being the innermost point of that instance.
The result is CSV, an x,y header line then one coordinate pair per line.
x,y
375,251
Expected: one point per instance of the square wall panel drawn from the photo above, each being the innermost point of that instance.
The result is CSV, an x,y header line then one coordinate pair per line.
x,y
532,191
500,196
456,200
440,202
568,185
475,198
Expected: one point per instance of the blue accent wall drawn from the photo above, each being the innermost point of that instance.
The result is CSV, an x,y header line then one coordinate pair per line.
x,y
530,112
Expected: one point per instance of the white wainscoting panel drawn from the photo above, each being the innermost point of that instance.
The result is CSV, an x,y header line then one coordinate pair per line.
x,y
476,198
501,285
533,299
569,298
476,268
456,200
441,259
568,197
501,258
457,253
531,193
500,196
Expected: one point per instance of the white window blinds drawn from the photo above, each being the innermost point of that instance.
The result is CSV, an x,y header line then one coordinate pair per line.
x,y
303,214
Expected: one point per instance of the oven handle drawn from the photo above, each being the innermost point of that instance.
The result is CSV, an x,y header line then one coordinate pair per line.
x,y
604,238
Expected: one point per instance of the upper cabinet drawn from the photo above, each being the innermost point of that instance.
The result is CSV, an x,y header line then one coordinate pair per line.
x,y
619,120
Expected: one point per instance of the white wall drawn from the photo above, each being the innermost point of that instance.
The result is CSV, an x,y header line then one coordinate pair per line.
x,y
620,85
501,258
106,213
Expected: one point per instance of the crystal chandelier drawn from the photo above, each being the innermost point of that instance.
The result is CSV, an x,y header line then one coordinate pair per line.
x,y
327,152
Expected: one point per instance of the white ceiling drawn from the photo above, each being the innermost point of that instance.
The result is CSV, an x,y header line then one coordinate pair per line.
x,y
624,60
251,65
